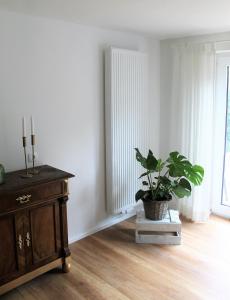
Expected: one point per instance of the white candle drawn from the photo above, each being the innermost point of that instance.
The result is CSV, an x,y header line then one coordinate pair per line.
x,y
32,125
23,126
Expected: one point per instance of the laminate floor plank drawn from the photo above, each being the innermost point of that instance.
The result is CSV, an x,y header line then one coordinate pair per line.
x,y
109,265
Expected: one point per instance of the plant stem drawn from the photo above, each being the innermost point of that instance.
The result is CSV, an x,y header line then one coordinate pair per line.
x,y
167,173
158,184
150,185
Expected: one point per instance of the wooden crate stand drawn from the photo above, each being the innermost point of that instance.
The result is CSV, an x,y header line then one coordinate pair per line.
x,y
164,232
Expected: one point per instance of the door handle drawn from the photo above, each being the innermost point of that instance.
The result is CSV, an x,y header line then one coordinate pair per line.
x,y
20,242
28,239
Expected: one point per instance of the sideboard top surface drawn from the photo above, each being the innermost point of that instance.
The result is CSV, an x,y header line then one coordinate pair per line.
x,y
14,181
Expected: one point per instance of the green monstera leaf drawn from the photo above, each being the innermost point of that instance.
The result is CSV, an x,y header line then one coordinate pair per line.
x,y
195,174
143,195
139,195
160,165
179,166
149,163
141,158
182,189
145,183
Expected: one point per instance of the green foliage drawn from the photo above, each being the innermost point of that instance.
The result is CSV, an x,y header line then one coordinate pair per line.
x,y
178,176
149,163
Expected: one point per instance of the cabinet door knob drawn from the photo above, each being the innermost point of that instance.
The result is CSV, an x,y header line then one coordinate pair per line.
x,y
28,239
23,199
20,242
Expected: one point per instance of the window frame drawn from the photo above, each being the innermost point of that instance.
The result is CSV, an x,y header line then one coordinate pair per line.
x,y
221,102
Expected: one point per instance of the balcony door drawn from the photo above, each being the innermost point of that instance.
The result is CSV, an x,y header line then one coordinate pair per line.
x,y
221,182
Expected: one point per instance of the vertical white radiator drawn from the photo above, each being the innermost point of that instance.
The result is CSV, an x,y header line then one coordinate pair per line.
x,y
127,124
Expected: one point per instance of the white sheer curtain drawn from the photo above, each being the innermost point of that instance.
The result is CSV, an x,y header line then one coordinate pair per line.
x,y
192,108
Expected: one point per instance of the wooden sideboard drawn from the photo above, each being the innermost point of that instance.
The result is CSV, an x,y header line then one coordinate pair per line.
x,y
33,226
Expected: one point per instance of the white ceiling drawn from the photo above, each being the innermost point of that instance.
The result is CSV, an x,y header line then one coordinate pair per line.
x,y
159,18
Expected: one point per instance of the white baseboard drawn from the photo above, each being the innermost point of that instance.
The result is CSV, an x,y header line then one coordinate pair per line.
x,y
112,220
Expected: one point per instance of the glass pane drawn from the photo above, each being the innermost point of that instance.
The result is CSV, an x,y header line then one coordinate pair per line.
x,y
226,177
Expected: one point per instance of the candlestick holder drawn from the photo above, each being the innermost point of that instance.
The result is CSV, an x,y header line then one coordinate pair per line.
x,y
34,171
27,174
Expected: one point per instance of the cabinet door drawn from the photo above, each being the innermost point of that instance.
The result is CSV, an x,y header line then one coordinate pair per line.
x,y
43,241
12,251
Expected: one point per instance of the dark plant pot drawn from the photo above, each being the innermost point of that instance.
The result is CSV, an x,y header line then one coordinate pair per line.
x,y
155,210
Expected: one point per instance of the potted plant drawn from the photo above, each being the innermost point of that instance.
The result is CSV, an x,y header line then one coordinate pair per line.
x,y
173,177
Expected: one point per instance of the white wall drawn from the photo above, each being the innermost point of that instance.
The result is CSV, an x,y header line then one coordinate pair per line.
x,y
53,70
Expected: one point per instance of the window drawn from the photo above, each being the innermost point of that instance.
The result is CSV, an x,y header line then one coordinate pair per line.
x,y
221,147
226,168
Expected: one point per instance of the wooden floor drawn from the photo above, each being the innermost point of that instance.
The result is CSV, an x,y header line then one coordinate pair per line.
x,y
109,265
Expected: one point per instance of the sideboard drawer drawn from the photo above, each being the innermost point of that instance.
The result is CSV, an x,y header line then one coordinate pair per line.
x,y
23,198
